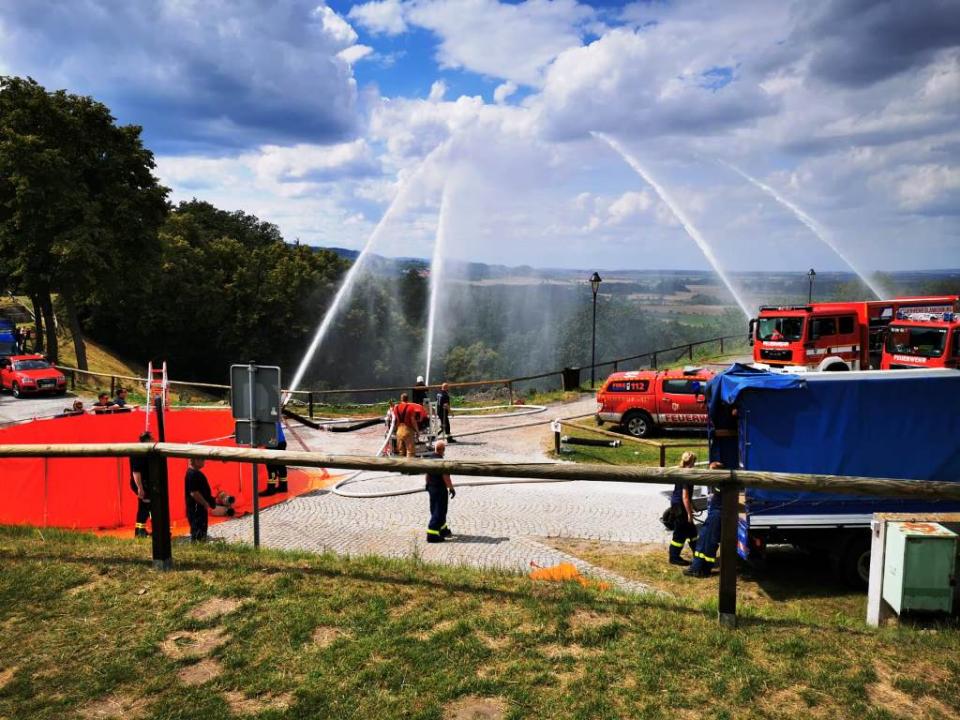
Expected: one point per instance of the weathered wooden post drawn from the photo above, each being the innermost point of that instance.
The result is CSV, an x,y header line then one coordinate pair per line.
x,y
663,455
727,601
310,403
690,350
721,346
160,500
113,386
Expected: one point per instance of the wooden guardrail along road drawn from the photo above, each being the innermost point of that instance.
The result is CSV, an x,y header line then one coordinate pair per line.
x,y
885,487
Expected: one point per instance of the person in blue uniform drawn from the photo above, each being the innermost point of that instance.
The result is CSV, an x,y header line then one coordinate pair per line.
x,y
140,484
705,556
681,507
277,474
440,489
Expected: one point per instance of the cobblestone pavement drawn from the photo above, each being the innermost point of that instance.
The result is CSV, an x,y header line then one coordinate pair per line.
x,y
495,526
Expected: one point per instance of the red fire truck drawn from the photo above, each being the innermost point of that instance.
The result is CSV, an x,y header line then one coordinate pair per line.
x,y
922,340
834,335
642,401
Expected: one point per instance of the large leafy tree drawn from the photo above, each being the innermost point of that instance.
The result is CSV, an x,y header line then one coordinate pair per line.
x,y
226,289
79,204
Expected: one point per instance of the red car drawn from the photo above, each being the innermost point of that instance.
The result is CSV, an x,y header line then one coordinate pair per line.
x,y
643,401
30,374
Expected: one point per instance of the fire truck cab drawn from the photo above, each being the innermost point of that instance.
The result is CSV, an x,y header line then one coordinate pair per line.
x,y
922,340
832,336
642,401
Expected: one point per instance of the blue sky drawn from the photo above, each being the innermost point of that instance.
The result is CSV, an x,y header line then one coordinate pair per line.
x,y
321,117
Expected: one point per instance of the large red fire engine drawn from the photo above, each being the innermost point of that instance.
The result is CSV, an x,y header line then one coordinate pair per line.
x,y
922,340
834,335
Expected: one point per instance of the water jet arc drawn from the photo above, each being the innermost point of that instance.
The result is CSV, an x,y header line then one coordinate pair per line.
x,y
812,224
436,274
688,226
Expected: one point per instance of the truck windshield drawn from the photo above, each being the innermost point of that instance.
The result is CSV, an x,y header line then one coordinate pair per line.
x,y
780,328
923,342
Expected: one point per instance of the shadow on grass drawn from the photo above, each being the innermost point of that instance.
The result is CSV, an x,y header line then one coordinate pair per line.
x,y
791,574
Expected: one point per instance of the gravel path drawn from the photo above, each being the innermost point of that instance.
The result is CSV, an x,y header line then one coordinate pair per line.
x,y
495,526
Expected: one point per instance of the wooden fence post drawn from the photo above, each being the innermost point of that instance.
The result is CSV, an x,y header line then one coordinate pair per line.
x,y
690,350
727,601
310,404
160,512
663,455
721,346
113,386
73,380
510,390
653,361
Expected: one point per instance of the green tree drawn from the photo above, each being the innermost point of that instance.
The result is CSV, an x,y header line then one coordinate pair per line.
x,y
79,204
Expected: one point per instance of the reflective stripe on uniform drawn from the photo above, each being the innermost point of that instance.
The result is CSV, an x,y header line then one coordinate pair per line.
x,y
676,544
432,532
140,526
705,558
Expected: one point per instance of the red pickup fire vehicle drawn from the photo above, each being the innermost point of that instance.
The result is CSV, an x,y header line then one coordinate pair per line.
x,y
835,335
642,401
30,374
922,340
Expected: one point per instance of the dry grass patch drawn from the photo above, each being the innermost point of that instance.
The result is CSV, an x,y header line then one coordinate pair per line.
x,y
587,620
6,675
440,627
214,608
240,704
475,708
95,584
789,702
183,645
883,694
199,673
498,642
557,652
326,635
116,705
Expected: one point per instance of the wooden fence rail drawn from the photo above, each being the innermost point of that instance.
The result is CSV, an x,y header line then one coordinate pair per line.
x,y
508,383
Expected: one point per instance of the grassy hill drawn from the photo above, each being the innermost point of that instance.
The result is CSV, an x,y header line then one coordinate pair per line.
x,y
91,631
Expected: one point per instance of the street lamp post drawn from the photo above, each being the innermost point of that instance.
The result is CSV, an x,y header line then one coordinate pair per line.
x,y
595,281
810,276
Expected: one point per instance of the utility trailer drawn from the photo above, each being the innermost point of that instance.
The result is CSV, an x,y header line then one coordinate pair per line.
x,y
886,424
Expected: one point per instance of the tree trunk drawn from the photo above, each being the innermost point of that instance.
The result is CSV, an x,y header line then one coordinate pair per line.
x,y
50,325
79,346
37,325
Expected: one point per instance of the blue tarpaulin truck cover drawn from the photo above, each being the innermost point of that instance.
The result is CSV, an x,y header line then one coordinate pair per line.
x,y
895,424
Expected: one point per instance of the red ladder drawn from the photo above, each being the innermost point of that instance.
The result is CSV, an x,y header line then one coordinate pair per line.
x,y
157,386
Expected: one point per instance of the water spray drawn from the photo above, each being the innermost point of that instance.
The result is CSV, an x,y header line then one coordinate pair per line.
x,y
346,287
436,273
812,224
681,216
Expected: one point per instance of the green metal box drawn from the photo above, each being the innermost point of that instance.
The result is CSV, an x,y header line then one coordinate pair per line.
x,y
919,566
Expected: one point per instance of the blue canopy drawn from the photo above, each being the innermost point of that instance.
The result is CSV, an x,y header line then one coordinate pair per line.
x,y
728,385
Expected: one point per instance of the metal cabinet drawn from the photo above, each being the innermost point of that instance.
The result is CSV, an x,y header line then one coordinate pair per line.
x,y
919,566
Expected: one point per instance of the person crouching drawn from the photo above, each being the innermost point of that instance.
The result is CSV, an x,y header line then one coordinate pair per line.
x,y
200,500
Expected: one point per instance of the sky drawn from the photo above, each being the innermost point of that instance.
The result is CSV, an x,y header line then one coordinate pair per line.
x,y
321,117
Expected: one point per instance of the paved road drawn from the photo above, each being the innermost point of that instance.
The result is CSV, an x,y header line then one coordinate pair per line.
x,y
14,410
496,526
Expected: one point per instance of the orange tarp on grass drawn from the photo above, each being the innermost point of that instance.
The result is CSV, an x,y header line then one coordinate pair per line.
x,y
94,493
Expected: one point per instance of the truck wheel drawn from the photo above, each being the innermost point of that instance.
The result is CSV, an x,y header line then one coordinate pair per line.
x,y
854,561
15,389
638,424
836,367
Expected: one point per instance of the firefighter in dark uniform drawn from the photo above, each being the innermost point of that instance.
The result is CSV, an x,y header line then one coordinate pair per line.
x,y
443,410
140,484
681,507
277,474
199,499
419,392
438,487
705,556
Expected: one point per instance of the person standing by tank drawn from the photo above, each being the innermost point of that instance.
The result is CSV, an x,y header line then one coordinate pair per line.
x,y
407,416
681,508
443,411
199,499
140,484
277,474
419,391
705,556
440,489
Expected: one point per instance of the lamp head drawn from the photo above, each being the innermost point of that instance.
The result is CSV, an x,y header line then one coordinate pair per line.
x,y
595,281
